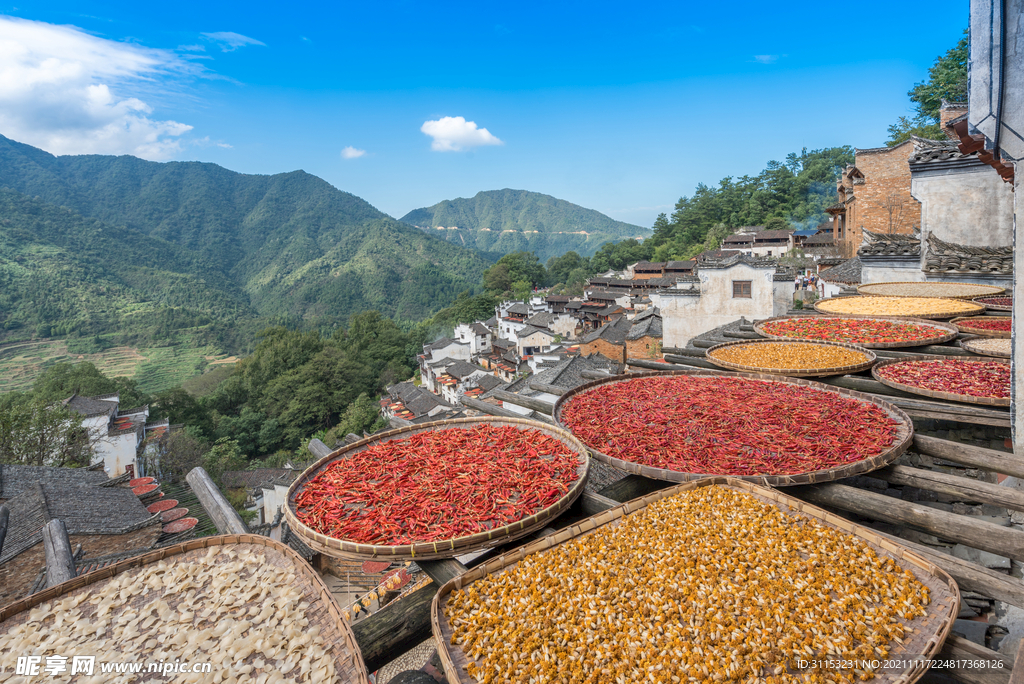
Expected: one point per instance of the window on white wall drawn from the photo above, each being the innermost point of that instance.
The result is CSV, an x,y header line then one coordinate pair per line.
x,y
741,289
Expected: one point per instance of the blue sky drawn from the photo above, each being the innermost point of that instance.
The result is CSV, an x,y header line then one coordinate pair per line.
x,y
622,108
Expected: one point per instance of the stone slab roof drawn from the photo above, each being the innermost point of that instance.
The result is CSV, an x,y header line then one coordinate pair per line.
x,y
17,479
88,407
613,332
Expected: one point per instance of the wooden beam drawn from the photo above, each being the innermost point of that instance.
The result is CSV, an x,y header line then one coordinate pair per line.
x,y
527,402
958,648
741,335
595,375
964,488
318,448
60,561
442,570
970,456
647,364
547,389
224,517
5,517
696,353
967,530
692,362
396,628
489,409
593,503
969,576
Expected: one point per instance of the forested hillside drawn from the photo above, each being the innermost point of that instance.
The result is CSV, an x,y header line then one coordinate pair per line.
x,y
292,243
506,221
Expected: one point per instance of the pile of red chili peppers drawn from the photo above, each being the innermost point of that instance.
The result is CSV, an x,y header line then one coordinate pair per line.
x,y
850,330
970,378
1001,324
996,301
727,426
438,485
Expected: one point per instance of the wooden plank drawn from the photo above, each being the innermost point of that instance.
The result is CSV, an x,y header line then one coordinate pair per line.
x,y
964,488
958,648
5,517
527,402
318,448
979,534
692,361
945,407
595,375
647,364
703,344
695,353
969,576
396,628
442,570
741,335
957,417
489,409
224,517
60,561
593,503
971,456
547,389
1017,674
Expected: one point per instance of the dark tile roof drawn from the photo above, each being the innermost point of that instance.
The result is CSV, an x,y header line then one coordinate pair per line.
x,y
943,256
487,382
718,254
462,369
738,239
772,234
90,406
443,342
17,479
823,239
573,306
502,343
931,151
491,322
541,320
518,308
847,272
647,266
890,244
480,329
530,330
603,296
613,332
84,510
679,265
567,372
645,326
250,479
558,298
805,232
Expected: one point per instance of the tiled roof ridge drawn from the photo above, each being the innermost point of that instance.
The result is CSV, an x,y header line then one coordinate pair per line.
x,y
40,492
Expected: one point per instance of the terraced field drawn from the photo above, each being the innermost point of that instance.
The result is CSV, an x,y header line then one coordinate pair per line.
x,y
155,368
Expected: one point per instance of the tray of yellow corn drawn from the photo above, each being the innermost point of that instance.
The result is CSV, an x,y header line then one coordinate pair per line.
x,y
245,607
796,359
715,580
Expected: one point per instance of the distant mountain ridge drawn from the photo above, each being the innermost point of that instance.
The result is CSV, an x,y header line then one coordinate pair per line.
x,y
505,221
286,244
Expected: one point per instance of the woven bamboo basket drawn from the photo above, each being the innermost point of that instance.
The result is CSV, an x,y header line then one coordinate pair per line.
x,y
924,642
943,332
323,610
869,359
971,346
967,330
904,435
448,548
821,306
948,396
938,290
991,306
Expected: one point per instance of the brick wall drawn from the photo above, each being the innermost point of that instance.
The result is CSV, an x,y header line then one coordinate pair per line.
x,y
18,574
644,348
609,351
882,202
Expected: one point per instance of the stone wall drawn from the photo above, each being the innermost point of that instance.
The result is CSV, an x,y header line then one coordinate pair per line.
x,y
882,202
969,205
606,349
644,348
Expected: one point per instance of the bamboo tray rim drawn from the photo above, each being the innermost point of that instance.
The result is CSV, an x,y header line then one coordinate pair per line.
x,y
348,658
926,316
949,331
904,436
969,346
903,556
994,307
938,285
963,398
869,359
447,548
968,330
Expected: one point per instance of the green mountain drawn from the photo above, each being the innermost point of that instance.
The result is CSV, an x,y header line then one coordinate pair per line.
x,y
289,244
506,221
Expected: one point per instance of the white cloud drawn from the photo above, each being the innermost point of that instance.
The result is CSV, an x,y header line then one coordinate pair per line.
x,y
454,134
69,92
352,153
230,41
765,59
206,142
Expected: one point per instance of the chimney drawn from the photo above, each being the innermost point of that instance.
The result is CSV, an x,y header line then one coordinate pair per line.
x,y
947,113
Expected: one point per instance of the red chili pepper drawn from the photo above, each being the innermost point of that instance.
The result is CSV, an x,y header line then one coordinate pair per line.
x,y
971,378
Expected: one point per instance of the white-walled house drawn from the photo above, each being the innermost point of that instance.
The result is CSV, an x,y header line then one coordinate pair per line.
x,y
440,353
476,335
739,286
118,436
531,340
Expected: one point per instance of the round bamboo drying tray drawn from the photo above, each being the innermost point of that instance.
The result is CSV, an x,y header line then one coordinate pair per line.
x,y
937,290
869,359
967,330
323,610
944,332
904,435
949,396
970,346
994,307
448,548
924,642
822,304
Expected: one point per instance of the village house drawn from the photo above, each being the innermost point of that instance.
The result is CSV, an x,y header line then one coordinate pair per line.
x,y
101,514
874,195
679,268
740,286
556,303
453,381
609,340
439,354
840,278
646,269
531,340
607,298
643,341
511,318
764,243
715,255
405,401
476,335
251,482
119,436
503,362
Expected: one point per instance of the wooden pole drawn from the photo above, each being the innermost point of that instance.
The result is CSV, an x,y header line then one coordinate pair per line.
x,y
224,517
979,534
5,516
958,648
690,362
442,570
971,456
396,628
547,389
60,561
318,448
964,488
520,400
595,375
489,409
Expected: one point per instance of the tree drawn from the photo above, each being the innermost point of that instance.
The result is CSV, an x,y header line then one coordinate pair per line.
x,y
892,203
521,290
776,223
178,406
361,415
180,452
40,433
559,268
947,80
523,266
62,380
497,279
224,455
